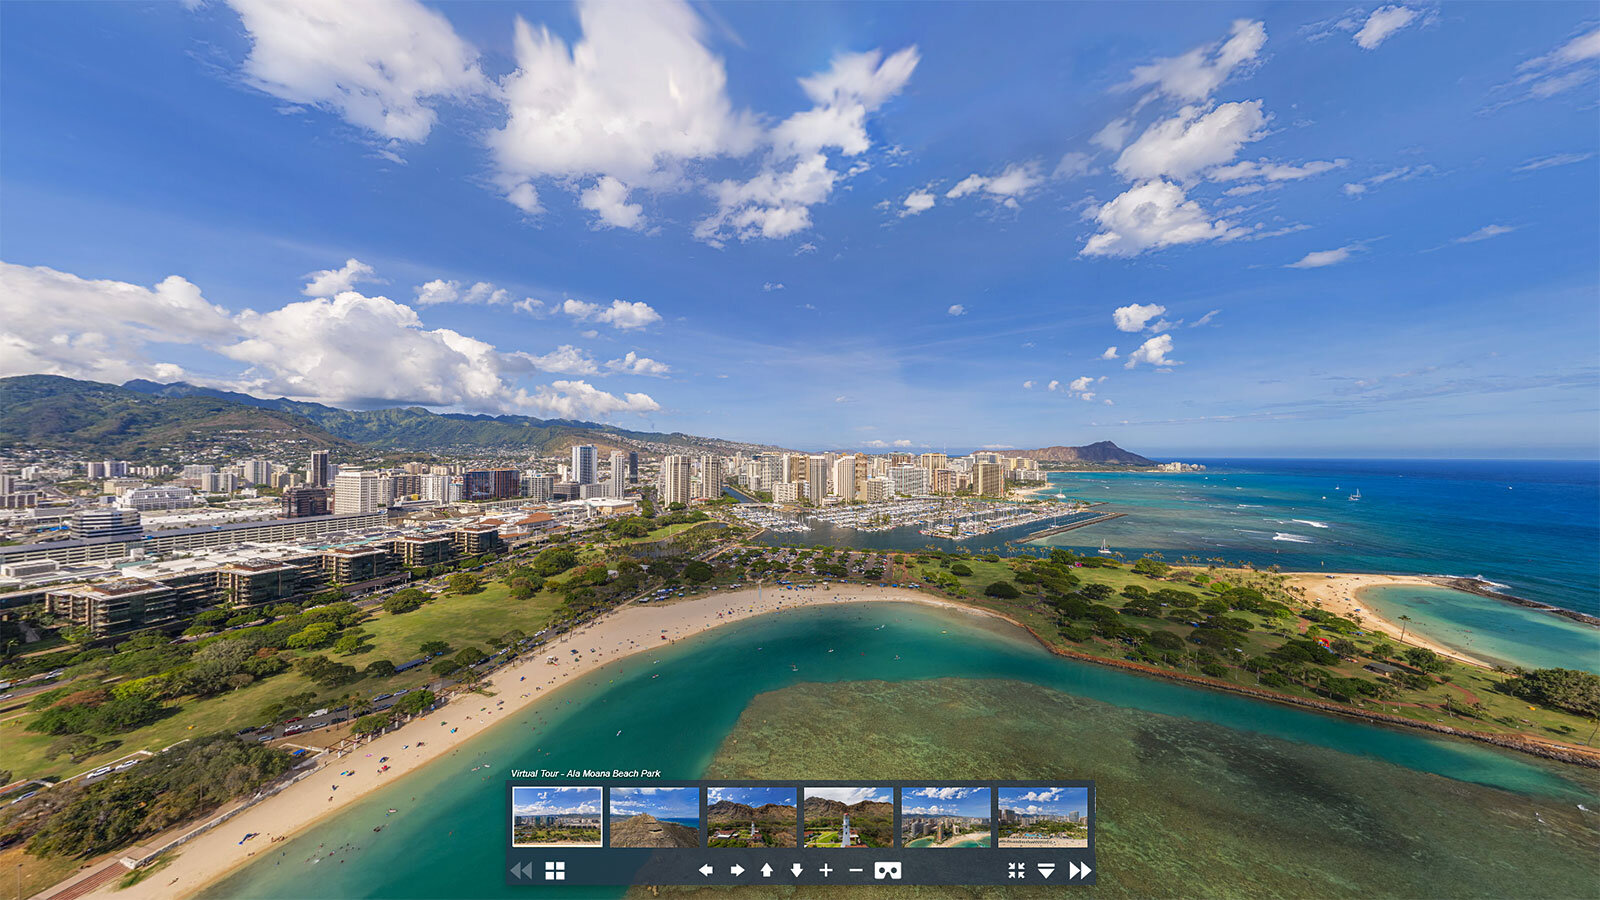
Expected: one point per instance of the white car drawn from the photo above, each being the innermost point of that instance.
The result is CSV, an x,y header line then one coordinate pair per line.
x,y
103,770
124,766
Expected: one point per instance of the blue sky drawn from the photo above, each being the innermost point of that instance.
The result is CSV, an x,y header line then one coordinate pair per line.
x,y
1045,801
752,796
663,803
1306,229
535,801
946,801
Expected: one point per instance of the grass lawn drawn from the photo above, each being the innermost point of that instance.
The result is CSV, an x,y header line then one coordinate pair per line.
x,y
459,620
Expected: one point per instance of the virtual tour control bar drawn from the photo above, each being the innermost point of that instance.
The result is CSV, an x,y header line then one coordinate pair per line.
x,y
624,831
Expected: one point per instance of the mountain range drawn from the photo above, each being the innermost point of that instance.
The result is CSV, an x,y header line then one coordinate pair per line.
x,y
144,418
730,811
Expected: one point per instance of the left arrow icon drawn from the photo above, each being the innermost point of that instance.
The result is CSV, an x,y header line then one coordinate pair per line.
x,y
706,870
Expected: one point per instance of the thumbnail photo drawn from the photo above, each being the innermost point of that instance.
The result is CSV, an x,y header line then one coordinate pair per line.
x,y
1044,817
555,817
655,817
849,816
751,816
945,816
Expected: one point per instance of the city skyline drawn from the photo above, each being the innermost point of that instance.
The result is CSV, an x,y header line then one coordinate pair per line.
x,y
555,801
1303,230
1045,801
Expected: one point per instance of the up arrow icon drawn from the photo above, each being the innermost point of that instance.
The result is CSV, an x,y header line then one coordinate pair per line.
x,y
766,870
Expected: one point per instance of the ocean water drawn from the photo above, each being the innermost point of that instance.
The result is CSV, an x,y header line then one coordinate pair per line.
x,y
1194,774
1487,629
1533,526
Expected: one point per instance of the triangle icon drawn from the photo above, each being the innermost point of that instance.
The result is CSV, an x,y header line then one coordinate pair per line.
x,y
1047,869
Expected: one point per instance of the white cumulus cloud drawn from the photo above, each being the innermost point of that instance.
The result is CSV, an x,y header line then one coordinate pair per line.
x,y
1154,352
634,364
327,282
1135,316
1153,215
1191,141
917,202
1320,258
956,309
380,64
621,314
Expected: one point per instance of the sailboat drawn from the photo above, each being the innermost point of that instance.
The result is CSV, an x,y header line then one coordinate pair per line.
x,y
1356,495
1104,548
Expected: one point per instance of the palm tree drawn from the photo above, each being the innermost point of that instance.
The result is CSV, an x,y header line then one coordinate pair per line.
x,y
1404,621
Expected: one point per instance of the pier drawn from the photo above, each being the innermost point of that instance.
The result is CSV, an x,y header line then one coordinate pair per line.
x,y
1079,521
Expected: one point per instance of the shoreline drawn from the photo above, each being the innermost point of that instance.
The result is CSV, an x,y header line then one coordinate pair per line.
x,y
625,632
629,630
1340,594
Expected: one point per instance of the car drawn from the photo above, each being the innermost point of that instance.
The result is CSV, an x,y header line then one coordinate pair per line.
x,y
293,720
103,770
320,712
381,697
264,738
402,691
293,729
126,765
6,696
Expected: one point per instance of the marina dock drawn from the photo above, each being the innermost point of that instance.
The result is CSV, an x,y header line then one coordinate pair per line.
x,y
1079,521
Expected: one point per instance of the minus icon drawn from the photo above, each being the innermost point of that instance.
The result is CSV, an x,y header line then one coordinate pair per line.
x,y
858,870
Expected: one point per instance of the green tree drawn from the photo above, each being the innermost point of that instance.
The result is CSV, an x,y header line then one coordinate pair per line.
x,y
371,724
379,668
430,648
1004,590
404,601
464,583
415,702
698,572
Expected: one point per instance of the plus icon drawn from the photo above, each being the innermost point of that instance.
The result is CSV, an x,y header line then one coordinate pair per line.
x,y
826,870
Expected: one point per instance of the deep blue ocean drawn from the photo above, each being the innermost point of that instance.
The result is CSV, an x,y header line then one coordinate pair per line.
x,y
1532,526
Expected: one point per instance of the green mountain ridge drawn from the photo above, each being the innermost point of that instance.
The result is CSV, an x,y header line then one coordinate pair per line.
x,y
143,418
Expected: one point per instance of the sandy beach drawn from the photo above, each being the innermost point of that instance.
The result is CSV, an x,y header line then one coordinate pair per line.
x,y
1340,594
632,629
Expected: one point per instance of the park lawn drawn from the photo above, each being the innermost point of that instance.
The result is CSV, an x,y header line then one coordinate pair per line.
x,y
457,619
34,873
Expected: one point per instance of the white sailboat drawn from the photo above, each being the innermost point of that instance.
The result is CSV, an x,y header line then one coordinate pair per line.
x,y
1356,495
1104,548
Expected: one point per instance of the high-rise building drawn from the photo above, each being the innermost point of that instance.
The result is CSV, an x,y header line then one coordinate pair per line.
x,y
988,479
491,484
946,481
306,500
787,491
255,471
709,487
879,489
584,461
932,462
619,475
219,482
537,487
677,476
794,467
909,481
633,467
816,479
844,478
317,470
441,488
357,491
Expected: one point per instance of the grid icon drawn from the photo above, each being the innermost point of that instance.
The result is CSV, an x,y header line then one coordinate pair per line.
x,y
555,870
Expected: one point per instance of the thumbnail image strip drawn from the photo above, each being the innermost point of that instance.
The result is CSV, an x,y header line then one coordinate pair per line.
x,y
655,817
555,816
945,816
751,816
1044,817
839,817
